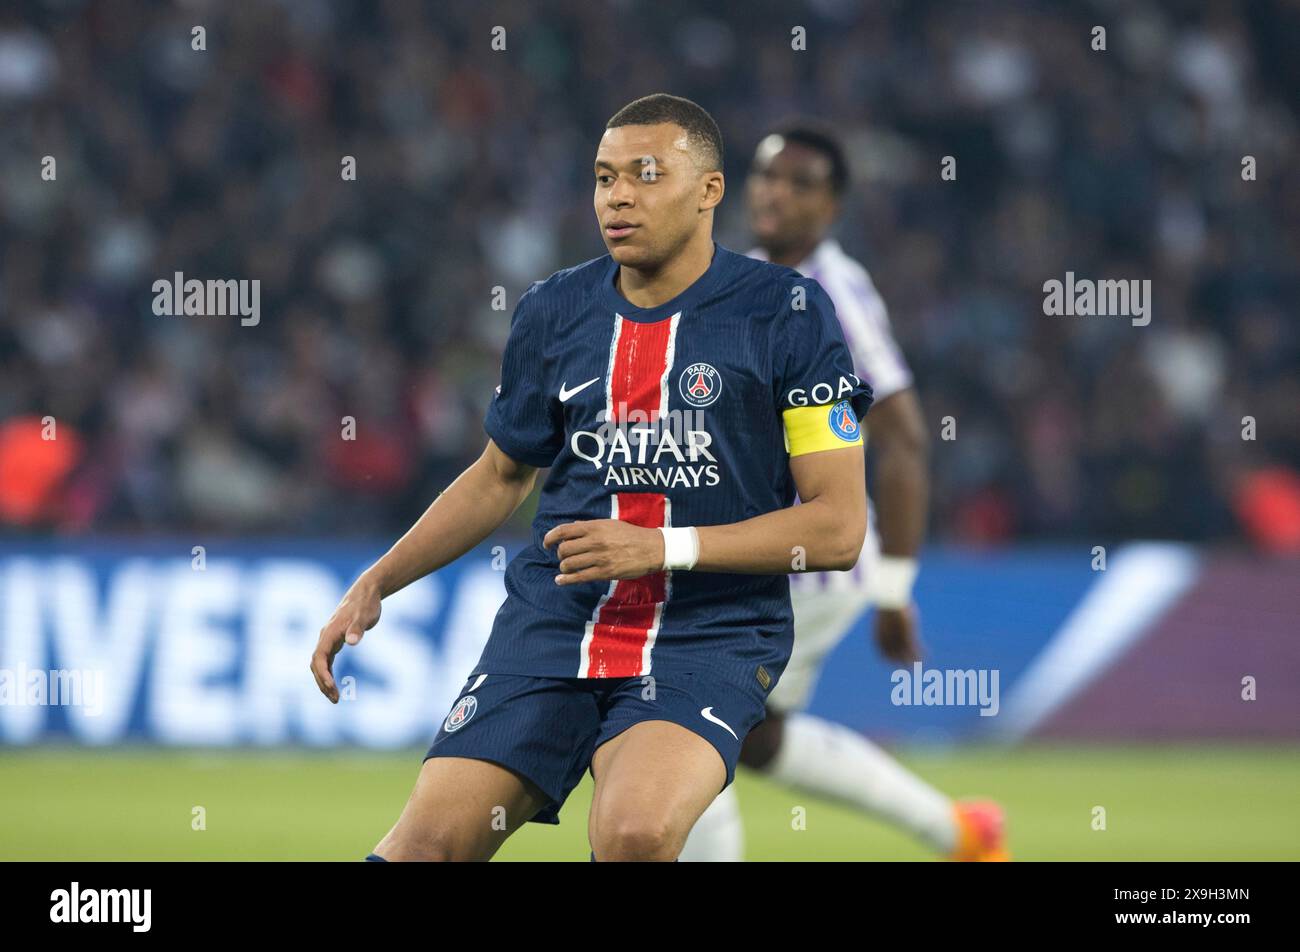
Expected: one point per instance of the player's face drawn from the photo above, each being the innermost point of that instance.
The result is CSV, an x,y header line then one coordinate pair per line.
x,y
650,193
789,194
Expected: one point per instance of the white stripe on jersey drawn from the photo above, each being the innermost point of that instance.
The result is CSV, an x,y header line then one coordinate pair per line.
x,y
589,630
671,348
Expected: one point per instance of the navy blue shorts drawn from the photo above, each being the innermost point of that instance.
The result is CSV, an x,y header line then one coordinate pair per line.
x,y
547,729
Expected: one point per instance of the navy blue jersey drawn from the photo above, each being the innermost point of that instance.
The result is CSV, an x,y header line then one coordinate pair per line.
x,y
663,416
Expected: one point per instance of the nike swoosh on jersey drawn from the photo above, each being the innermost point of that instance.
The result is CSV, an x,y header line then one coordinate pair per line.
x,y
565,394
707,714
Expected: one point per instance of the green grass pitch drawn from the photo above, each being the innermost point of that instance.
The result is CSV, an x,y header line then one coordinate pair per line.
x,y
1173,802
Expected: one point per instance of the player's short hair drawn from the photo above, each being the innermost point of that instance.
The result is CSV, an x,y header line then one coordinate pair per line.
x,y
820,137
701,131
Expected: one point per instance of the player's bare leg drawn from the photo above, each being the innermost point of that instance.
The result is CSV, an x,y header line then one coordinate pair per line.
x,y
719,834
460,810
652,783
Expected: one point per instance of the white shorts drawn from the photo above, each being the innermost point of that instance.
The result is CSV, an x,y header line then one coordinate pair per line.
x,y
826,606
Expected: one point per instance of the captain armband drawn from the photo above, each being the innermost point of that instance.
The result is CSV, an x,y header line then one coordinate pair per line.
x,y
826,427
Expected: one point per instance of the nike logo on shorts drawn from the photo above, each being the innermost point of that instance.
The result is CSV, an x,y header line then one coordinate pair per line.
x,y
707,714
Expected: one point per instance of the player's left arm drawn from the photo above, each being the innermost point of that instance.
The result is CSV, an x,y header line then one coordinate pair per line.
x,y
824,532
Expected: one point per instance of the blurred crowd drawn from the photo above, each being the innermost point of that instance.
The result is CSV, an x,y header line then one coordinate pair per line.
x,y
473,172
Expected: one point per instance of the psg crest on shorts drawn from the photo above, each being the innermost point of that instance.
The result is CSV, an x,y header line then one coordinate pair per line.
x,y
461,713
844,423
699,384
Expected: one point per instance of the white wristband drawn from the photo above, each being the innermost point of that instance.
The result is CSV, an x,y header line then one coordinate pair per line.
x,y
681,547
893,581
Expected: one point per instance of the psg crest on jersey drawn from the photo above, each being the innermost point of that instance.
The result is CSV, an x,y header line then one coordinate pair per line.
x,y
844,423
461,713
699,384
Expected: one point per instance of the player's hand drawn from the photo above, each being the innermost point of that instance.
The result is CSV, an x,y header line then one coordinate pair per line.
x,y
896,634
601,549
356,614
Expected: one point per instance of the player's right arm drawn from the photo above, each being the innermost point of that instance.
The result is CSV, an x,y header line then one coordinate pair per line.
x,y
471,508
900,444
899,448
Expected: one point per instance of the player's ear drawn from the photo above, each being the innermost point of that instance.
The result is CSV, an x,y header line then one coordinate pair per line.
x,y
712,188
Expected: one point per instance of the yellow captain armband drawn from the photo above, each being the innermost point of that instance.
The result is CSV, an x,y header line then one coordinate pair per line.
x,y
827,427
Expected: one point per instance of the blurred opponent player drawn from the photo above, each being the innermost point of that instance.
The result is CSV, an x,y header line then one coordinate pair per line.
x,y
681,394
798,175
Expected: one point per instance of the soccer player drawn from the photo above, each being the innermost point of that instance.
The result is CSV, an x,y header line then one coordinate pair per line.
x,y
797,178
681,394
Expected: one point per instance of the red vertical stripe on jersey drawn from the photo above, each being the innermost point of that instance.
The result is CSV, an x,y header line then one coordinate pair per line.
x,y
626,620
638,367
629,614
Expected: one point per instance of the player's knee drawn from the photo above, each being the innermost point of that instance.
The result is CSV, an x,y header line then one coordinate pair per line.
x,y
629,838
763,741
